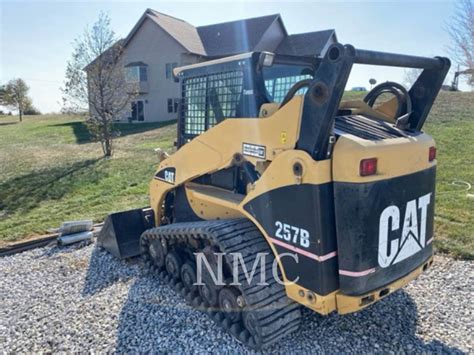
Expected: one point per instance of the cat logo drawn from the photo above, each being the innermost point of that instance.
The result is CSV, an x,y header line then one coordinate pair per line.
x,y
167,175
395,246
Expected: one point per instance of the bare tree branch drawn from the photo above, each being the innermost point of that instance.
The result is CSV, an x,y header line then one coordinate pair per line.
x,y
96,82
410,76
461,31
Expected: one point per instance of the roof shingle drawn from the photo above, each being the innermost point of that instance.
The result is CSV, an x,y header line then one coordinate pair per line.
x,y
235,37
182,31
228,38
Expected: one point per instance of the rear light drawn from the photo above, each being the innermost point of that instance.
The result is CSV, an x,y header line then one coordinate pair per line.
x,y
432,154
368,167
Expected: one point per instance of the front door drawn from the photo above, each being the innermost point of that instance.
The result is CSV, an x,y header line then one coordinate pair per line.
x,y
138,112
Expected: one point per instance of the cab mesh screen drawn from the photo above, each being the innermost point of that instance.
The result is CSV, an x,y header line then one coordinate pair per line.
x,y
279,87
210,99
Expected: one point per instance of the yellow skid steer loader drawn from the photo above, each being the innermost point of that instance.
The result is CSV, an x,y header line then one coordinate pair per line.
x,y
281,194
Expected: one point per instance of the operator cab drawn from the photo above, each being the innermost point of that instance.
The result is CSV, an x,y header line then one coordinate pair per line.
x,y
256,84
237,87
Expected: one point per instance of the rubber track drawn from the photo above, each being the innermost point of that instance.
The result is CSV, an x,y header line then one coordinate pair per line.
x,y
276,314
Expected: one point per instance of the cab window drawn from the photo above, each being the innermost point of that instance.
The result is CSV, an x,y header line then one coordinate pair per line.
x,y
279,78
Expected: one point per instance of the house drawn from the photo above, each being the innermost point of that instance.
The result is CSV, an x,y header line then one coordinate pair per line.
x,y
158,43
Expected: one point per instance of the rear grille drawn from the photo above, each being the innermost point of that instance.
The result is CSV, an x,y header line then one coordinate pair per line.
x,y
366,128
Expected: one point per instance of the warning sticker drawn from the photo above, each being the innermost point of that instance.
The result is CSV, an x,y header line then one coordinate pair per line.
x,y
254,150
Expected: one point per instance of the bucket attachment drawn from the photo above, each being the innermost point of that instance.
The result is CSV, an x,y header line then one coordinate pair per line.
x,y
122,230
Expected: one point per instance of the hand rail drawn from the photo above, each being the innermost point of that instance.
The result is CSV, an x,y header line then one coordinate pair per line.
x,y
363,56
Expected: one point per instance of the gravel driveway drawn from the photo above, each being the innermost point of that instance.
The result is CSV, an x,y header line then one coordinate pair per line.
x,y
82,299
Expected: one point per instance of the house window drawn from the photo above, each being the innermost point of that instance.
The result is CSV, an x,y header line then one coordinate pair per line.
x,y
136,73
169,71
138,112
173,105
143,74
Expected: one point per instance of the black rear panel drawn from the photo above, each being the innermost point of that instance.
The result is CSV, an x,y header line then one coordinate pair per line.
x,y
384,229
289,212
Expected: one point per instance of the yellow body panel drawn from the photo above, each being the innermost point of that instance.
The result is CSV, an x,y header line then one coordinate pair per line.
x,y
345,304
360,107
348,304
214,149
210,202
280,173
395,157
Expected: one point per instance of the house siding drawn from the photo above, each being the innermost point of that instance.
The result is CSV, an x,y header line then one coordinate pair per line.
x,y
155,47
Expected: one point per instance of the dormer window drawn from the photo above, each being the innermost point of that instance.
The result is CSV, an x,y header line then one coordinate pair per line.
x,y
136,72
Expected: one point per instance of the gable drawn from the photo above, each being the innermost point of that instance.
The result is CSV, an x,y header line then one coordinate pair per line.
x,y
229,38
184,33
180,31
150,43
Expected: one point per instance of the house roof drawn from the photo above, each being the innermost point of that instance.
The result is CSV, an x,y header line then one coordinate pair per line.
x,y
183,32
109,55
307,44
235,37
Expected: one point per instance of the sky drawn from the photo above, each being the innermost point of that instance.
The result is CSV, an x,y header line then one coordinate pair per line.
x,y
36,36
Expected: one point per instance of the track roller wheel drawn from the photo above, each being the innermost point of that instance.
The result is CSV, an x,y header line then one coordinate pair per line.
x,y
188,276
208,291
173,264
157,253
230,303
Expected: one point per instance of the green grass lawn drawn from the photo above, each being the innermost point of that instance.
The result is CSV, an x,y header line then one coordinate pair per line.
x,y
51,172
451,123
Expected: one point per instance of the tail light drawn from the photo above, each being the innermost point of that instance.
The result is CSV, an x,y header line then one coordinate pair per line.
x,y
368,167
432,154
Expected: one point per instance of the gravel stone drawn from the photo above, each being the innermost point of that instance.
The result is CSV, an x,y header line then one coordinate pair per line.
x,y
80,298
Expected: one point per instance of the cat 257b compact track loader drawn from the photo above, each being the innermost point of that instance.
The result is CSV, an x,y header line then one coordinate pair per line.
x,y
339,195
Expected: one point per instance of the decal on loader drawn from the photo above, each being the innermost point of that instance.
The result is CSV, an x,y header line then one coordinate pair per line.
x,y
399,241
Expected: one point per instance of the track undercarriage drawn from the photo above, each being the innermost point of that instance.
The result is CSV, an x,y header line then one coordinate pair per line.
x,y
255,314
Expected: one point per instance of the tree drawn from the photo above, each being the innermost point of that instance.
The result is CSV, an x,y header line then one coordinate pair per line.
x,y
410,76
372,82
15,95
2,94
461,31
31,110
95,79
